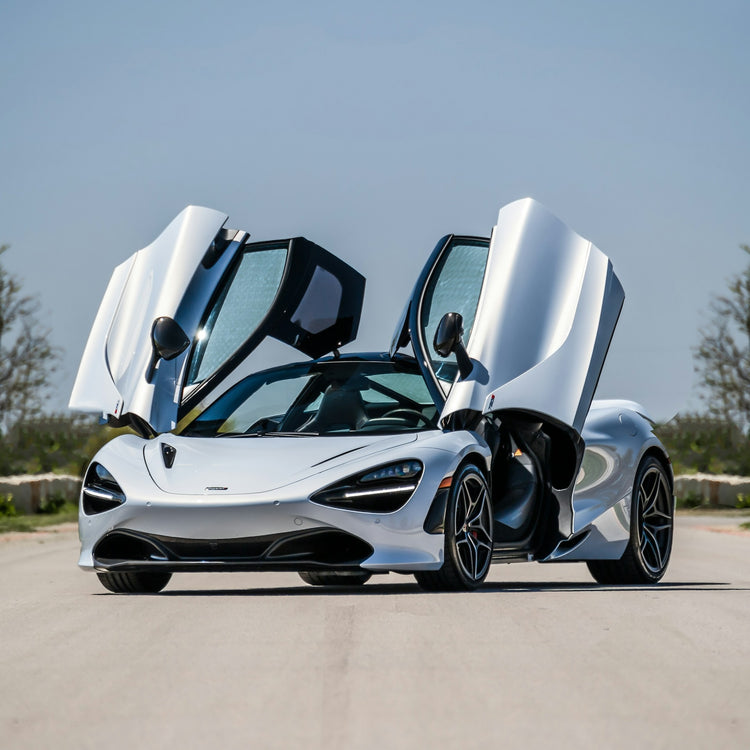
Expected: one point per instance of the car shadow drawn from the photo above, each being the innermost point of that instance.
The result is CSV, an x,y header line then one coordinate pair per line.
x,y
406,588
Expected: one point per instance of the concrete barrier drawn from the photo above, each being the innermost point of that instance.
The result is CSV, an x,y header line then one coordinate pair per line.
x,y
714,489
31,490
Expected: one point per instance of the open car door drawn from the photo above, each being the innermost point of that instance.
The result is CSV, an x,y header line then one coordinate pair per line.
x,y
180,316
539,306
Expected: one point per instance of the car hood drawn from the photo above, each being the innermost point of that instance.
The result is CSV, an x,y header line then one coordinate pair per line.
x,y
253,464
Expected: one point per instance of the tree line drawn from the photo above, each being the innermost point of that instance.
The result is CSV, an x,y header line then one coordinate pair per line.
x,y
33,440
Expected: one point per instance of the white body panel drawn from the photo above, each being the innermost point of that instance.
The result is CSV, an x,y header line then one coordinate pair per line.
x,y
617,436
546,313
398,539
251,466
148,285
94,388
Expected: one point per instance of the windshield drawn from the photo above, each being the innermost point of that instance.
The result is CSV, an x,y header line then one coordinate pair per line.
x,y
323,398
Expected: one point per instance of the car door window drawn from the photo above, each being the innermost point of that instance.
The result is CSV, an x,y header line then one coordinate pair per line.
x,y
453,286
319,307
239,309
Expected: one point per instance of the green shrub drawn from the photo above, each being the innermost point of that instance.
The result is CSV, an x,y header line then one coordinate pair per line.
x,y
58,443
53,504
6,506
698,443
689,500
743,501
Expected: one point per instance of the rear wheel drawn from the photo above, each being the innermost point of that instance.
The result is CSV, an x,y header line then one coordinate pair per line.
x,y
646,557
468,535
335,577
134,582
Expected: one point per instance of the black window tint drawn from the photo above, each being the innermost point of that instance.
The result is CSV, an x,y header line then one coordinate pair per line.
x,y
319,307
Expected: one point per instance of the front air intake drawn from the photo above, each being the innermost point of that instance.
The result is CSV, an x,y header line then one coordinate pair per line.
x,y
299,550
124,545
100,492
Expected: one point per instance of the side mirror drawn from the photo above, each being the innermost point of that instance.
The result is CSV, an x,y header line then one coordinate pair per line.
x,y
448,340
168,341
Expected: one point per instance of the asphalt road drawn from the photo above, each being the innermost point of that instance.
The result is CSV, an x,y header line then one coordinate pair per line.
x,y
540,657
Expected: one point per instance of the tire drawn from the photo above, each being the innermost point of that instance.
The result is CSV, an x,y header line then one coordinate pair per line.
x,y
646,557
468,535
135,582
335,577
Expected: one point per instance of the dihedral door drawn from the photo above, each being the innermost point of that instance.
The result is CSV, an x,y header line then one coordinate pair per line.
x,y
225,295
539,304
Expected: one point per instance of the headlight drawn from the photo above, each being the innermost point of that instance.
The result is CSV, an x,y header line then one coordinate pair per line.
x,y
100,491
380,490
402,470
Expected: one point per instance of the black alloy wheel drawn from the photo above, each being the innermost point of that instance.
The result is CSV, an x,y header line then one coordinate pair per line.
x,y
646,557
468,535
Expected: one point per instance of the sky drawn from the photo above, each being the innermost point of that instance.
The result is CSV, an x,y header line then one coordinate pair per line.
x,y
374,129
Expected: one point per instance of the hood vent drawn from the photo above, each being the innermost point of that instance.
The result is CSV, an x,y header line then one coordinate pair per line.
x,y
168,454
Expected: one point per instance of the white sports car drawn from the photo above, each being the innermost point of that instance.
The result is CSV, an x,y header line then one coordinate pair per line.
x,y
473,440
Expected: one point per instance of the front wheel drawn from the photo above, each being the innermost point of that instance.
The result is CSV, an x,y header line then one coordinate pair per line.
x,y
646,557
139,582
468,535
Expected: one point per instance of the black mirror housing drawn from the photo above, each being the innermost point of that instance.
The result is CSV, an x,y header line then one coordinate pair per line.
x,y
448,333
449,340
168,341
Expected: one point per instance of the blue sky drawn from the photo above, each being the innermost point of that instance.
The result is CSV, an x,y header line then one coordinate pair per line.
x,y
375,129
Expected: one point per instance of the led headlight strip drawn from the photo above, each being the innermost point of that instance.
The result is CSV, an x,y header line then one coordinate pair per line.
x,y
383,489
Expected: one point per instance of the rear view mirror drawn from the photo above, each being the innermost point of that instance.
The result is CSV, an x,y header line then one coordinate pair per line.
x,y
449,340
168,341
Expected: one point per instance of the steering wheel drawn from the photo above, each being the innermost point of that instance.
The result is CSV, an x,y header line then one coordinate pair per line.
x,y
403,412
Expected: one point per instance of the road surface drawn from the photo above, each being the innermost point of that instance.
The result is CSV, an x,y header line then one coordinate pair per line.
x,y
540,657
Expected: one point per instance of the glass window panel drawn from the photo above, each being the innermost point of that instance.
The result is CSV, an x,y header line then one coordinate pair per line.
x,y
405,383
453,287
320,397
239,310
270,402
319,307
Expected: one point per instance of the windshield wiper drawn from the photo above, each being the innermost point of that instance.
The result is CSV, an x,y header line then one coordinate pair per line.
x,y
290,434
267,434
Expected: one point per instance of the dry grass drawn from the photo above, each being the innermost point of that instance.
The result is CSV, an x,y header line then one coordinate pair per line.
x,y
34,521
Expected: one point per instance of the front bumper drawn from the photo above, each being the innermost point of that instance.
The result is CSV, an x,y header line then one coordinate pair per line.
x,y
279,529
189,533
